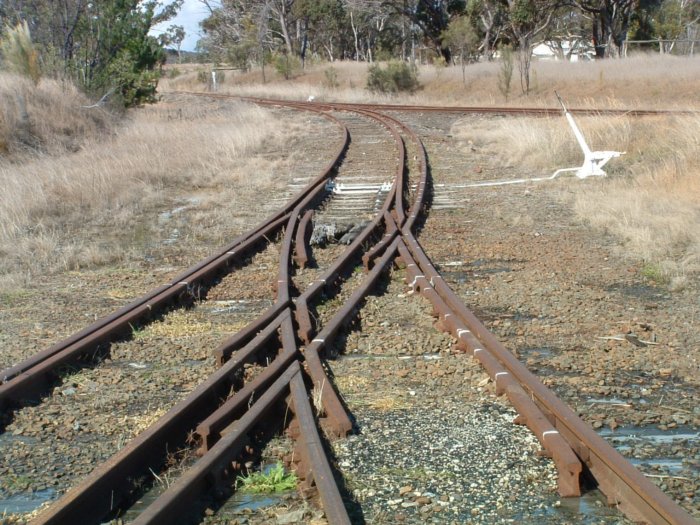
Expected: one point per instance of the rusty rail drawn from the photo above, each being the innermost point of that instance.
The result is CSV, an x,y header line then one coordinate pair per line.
x,y
301,249
187,493
623,484
529,111
219,441
223,427
27,380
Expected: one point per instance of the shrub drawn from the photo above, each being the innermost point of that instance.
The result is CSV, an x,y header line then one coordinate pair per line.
x,y
331,78
397,76
132,84
286,65
239,55
19,53
505,73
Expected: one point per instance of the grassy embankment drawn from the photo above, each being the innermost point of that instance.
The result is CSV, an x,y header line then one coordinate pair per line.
x,y
67,169
75,178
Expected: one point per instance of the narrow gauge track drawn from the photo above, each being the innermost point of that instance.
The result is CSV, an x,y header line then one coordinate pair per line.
x,y
223,435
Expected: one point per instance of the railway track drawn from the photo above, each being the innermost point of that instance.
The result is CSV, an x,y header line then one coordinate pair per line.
x,y
379,209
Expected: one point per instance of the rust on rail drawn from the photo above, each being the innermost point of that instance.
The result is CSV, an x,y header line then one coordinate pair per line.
x,y
224,410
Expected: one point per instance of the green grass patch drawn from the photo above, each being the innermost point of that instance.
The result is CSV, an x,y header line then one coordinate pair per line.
x,y
273,479
13,484
654,273
14,297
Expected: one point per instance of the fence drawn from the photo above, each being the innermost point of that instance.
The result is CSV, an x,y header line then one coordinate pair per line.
x,y
665,47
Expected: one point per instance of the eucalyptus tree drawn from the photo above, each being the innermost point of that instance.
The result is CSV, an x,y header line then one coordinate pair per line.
x,y
230,32
323,25
432,17
569,33
174,36
611,21
488,18
674,22
379,26
461,36
527,21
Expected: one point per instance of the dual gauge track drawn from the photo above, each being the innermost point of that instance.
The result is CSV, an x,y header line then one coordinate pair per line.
x,y
226,416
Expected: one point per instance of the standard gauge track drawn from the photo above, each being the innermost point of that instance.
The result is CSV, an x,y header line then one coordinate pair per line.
x,y
229,415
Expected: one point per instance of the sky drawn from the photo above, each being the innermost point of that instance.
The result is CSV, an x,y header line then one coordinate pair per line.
x,y
190,15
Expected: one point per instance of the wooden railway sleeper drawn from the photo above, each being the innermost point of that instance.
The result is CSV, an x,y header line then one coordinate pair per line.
x,y
619,480
328,278
569,467
338,419
241,338
391,230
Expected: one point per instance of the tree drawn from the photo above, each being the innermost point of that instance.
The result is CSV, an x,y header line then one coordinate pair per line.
x,y
283,21
103,45
488,17
527,19
174,35
322,22
461,37
226,27
568,33
116,51
674,20
432,17
611,22
369,21
235,27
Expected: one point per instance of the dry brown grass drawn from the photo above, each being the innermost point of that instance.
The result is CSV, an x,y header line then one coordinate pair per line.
x,y
69,171
56,208
643,81
49,118
651,199
655,209
543,143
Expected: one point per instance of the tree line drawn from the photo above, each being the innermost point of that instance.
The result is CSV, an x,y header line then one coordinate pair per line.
x,y
104,46
243,32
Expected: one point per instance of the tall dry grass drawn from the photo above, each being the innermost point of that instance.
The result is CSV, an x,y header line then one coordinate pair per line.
x,y
655,210
649,81
544,143
651,199
66,169
48,118
54,208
